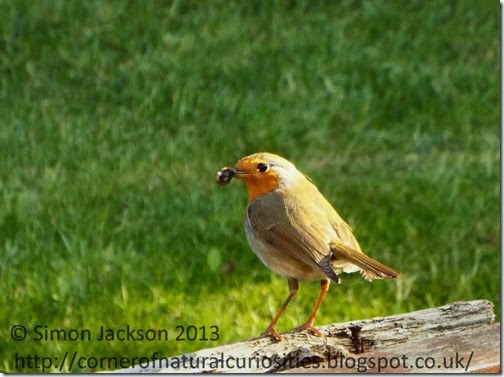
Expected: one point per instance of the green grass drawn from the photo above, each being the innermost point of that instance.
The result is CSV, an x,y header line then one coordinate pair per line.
x,y
115,116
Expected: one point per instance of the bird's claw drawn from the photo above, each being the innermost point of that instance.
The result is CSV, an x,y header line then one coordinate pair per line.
x,y
311,328
270,331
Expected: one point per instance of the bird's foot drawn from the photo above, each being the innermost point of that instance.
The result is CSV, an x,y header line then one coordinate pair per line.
x,y
270,331
308,326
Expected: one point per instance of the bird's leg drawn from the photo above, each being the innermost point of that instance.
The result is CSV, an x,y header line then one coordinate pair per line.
x,y
293,288
324,287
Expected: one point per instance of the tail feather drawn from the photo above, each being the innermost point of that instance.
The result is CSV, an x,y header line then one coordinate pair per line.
x,y
370,268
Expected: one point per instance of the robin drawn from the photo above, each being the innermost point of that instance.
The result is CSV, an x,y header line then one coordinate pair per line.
x,y
294,230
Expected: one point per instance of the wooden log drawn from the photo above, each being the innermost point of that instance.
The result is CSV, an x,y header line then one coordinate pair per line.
x,y
460,337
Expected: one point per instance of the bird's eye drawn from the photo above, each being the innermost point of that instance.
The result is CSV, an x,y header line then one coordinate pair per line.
x,y
262,167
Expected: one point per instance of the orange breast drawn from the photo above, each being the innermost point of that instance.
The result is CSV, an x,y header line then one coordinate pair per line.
x,y
259,185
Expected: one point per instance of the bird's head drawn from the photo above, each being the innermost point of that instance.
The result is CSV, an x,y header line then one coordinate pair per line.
x,y
262,173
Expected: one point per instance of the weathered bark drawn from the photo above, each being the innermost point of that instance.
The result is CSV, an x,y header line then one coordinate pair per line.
x,y
459,337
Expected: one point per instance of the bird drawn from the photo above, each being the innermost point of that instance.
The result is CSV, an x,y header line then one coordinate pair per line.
x,y
296,232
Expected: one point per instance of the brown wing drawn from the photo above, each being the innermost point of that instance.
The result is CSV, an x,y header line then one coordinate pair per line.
x,y
319,240
304,242
346,249
370,268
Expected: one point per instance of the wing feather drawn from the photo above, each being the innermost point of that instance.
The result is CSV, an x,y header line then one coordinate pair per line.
x,y
307,244
312,234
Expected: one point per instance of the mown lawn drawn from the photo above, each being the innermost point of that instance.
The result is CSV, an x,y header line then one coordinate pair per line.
x,y
115,116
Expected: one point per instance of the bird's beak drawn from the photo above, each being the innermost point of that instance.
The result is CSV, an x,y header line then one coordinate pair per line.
x,y
224,176
239,173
